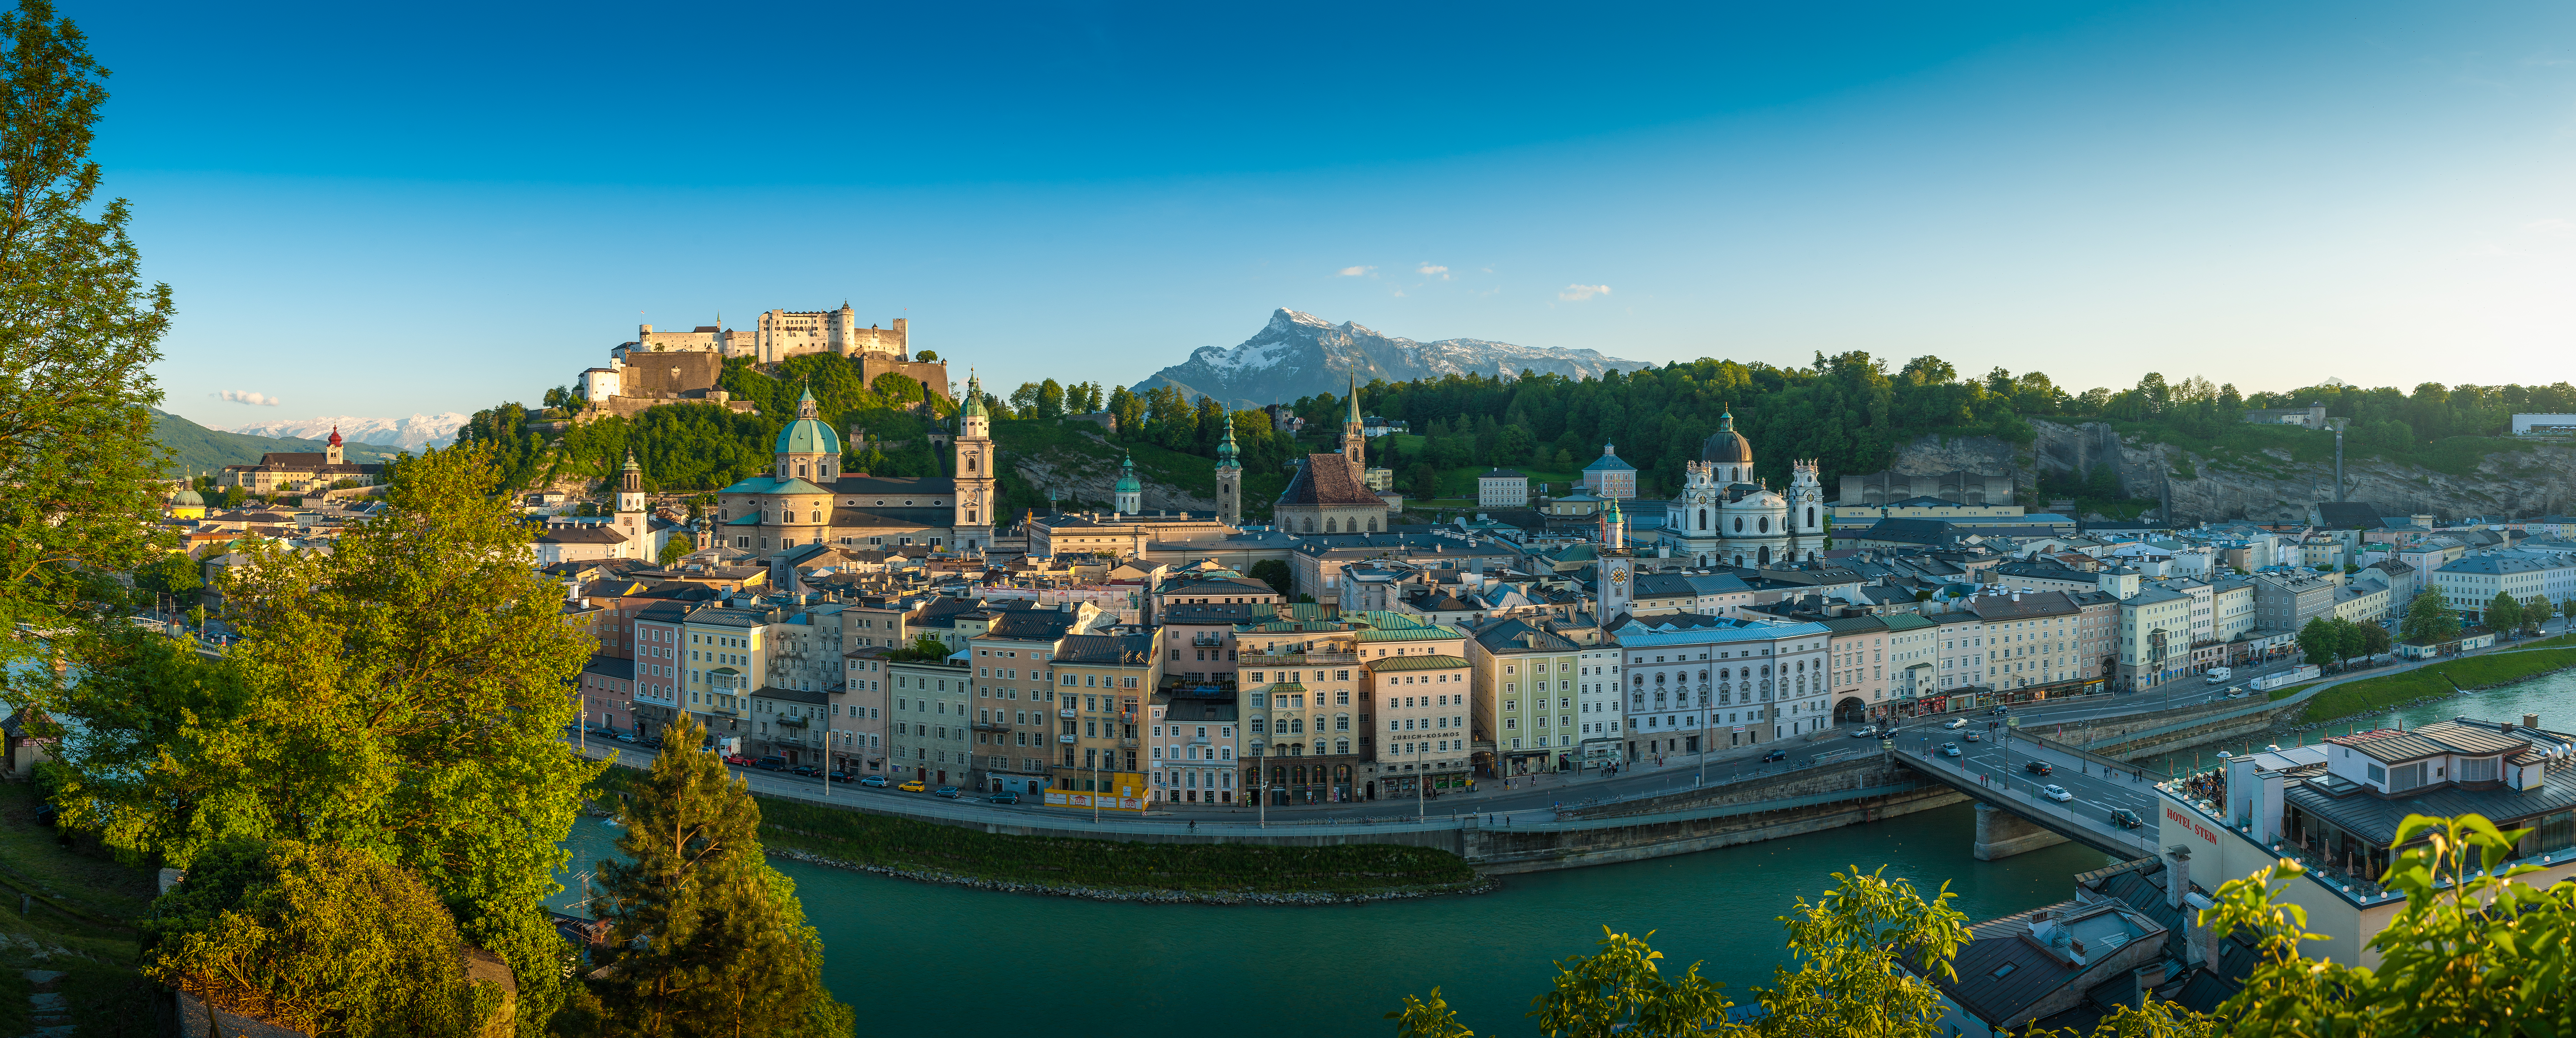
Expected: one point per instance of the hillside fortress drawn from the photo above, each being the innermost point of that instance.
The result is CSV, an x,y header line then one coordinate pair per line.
x,y
666,367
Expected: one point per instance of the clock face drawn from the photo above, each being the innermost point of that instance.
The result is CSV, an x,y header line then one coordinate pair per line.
x,y
1618,574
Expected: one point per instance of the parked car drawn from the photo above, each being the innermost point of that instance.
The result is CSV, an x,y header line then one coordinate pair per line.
x,y
2125,818
1956,723
1971,736
806,770
2039,767
2056,792
1864,732
771,764
1949,749
1003,797
738,760
912,786
879,781
626,737
951,792
1775,755
841,776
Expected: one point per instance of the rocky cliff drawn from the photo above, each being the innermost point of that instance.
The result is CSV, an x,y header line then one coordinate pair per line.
x,y
2530,482
1086,470
1300,354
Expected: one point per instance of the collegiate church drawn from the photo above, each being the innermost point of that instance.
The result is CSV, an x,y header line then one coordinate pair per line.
x,y
1724,516
806,498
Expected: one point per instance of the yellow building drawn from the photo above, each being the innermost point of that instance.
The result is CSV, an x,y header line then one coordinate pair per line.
x,y
187,504
1100,685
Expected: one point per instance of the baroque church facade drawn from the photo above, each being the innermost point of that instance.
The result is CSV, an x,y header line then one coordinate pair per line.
x,y
806,499
1726,516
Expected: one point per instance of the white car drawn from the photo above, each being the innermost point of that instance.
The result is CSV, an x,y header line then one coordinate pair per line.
x,y
2056,793
1956,723
1863,732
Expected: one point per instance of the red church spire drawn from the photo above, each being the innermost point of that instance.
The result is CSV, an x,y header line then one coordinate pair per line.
x,y
335,436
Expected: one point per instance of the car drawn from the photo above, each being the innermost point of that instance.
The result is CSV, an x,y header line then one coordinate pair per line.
x,y
2056,792
841,776
1775,755
653,743
771,764
1003,797
626,737
912,786
1864,732
2039,767
2126,819
1956,723
737,760
1971,736
951,792
2235,693
806,770
879,781
2002,710
1949,749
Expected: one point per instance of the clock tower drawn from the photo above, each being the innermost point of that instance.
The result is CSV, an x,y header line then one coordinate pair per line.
x,y
974,508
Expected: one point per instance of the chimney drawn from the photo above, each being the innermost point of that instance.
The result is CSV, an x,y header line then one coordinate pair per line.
x,y
2531,721
2177,874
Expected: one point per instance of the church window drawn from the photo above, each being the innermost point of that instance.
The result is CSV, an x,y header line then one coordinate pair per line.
x,y
1739,524
1328,525
1811,515
800,469
1703,518
1763,524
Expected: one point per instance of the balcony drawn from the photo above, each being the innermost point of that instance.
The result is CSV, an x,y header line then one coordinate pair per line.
x,y
1296,659
991,726
1127,744
1207,641
790,722
1067,739
1068,712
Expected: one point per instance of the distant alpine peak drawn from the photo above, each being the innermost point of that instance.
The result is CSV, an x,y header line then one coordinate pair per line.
x,y
415,432
1299,354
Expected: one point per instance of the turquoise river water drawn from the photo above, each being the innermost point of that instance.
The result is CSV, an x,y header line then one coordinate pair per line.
x,y
919,959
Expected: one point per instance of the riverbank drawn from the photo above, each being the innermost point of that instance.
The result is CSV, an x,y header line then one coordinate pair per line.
x,y
2439,680
1103,870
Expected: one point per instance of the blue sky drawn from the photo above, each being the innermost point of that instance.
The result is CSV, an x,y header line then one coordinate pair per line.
x,y
379,211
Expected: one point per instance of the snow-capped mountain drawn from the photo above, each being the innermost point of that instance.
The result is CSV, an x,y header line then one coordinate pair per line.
x,y
1300,354
413,433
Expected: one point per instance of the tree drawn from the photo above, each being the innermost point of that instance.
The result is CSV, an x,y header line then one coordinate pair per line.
x,y
2429,619
1422,481
2374,640
1274,573
704,937
2502,615
174,574
324,940
2318,642
675,549
79,330
925,356
2568,609
2535,612
2473,952
404,695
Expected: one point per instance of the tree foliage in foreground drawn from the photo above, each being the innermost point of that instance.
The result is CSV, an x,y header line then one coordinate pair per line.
x,y
2475,951
324,940
402,696
704,937
79,329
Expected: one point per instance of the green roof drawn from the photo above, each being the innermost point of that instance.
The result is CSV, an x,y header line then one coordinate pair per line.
x,y
1409,634
1416,663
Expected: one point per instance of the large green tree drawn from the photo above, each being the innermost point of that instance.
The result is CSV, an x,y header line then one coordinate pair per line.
x,y
404,695
705,938
2502,615
79,329
2429,619
2319,643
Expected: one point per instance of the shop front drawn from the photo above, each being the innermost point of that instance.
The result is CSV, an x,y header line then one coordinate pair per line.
x,y
1601,753
1394,782
1289,782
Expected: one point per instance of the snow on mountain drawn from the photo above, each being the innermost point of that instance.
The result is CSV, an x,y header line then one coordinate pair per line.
x,y
413,433
1300,354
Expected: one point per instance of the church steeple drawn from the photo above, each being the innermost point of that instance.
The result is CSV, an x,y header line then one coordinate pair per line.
x,y
1229,477
1354,442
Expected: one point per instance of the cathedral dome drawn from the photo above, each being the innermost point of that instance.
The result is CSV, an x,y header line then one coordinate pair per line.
x,y
1127,481
187,497
1726,445
808,434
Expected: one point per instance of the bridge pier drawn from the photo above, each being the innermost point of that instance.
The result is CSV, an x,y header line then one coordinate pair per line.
x,y
2002,834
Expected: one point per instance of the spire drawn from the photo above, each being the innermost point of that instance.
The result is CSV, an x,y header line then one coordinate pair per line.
x,y
1354,417
335,435
1726,419
630,461
974,403
1226,451
805,403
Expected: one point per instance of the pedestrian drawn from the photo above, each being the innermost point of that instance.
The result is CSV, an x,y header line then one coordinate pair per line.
x,y
1194,825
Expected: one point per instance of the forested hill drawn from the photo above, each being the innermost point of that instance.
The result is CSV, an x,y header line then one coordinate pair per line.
x,y
197,449
1850,412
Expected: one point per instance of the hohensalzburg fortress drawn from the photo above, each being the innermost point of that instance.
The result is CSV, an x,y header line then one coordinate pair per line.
x,y
664,367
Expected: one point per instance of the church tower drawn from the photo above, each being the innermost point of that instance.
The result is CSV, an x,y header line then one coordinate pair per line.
x,y
1229,478
331,453
631,520
1355,442
1130,493
1806,519
974,448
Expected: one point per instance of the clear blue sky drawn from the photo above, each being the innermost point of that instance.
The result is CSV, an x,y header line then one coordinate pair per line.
x,y
378,210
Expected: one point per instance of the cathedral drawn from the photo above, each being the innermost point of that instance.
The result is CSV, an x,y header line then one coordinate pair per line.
x,y
1329,493
1724,516
806,499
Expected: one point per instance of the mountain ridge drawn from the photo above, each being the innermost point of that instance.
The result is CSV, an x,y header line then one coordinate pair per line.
x,y
195,449
1299,354
414,433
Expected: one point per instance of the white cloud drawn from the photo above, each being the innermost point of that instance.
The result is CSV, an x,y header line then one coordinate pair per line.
x,y
1428,270
1354,272
1579,293
242,397
2554,227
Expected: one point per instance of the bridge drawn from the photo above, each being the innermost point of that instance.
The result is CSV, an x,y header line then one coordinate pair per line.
x,y
2013,816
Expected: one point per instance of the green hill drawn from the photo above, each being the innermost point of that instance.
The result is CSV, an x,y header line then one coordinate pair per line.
x,y
195,448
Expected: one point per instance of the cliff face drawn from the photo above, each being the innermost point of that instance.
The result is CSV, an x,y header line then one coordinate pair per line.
x,y
1086,470
2514,483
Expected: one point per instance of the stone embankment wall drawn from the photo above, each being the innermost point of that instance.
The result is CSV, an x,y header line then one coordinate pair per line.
x,y
1657,833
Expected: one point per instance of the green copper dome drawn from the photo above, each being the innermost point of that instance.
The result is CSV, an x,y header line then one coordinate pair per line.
x,y
187,497
807,434
1226,451
1127,482
973,407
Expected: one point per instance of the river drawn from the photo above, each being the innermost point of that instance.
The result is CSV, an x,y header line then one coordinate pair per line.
x,y
920,959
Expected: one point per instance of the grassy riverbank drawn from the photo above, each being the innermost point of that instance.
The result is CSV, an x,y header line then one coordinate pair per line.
x,y
923,847
2432,682
81,906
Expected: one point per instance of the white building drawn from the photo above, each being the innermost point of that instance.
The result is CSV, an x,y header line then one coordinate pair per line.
x,y
1597,705
2470,583
1502,488
1697,681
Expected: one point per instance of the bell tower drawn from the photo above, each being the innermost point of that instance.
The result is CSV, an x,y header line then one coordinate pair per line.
x,y
632,523
1355,442
973,525
1229,477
